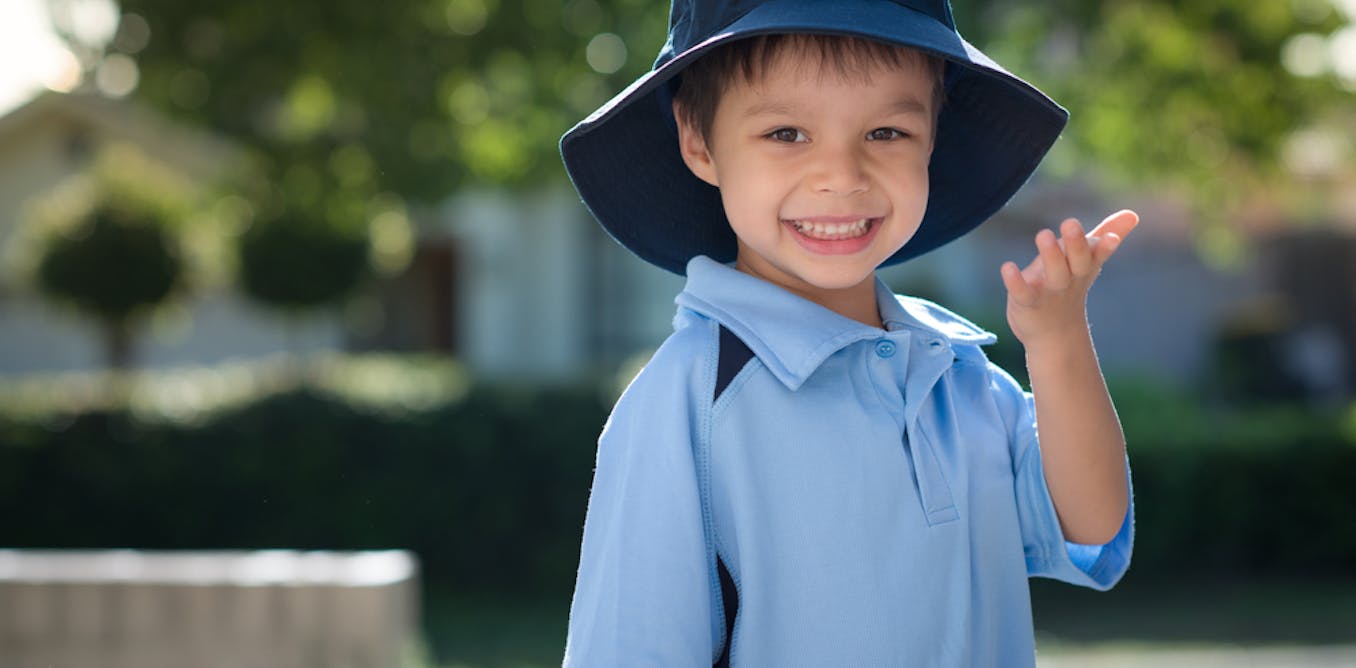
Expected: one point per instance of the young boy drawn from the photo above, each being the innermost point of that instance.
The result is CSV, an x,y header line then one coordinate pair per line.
x,y
812,471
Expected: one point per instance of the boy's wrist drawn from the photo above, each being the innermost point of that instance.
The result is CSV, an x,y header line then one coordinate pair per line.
x,y
1056,343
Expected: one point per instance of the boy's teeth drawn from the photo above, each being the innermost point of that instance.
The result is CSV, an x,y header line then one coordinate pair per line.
x,y
832,231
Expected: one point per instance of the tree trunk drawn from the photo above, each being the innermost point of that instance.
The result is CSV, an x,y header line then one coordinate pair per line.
x,y
118,351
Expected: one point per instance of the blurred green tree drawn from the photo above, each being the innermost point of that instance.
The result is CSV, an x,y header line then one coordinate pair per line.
x,y
107,242
116,265
415,97
420,98
1199,101
353,111
298,265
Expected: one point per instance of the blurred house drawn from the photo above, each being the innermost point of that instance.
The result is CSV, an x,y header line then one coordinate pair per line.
x,y
524,286
517,285
55,137
534,289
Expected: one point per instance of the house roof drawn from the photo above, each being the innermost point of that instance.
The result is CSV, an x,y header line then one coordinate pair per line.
x,y
201,154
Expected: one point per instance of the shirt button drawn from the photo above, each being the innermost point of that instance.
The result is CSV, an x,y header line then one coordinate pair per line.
x,y
885,348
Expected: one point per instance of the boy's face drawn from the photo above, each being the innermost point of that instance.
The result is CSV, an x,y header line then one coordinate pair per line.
x,y
823,176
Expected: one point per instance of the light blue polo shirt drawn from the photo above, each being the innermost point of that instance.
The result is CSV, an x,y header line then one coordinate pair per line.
x,y
876,496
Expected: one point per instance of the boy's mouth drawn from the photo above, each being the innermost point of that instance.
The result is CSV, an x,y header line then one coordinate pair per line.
x,y
833,231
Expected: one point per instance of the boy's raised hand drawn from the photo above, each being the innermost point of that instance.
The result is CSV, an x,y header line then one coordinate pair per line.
x,y
1047,301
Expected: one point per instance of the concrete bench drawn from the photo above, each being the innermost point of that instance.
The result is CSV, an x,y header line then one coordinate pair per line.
x,y
260,609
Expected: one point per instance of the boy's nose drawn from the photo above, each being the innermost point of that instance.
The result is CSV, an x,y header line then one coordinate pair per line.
x,y
839,171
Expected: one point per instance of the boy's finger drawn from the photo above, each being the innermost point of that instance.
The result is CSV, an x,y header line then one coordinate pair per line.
x,y
1052,257
1119,224
1104,247
1076,248
1018,289
1034,273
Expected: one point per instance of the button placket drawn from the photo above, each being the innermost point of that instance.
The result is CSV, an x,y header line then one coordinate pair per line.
x,y
933,358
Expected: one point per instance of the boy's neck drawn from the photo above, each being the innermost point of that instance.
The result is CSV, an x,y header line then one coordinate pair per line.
x,y
857,302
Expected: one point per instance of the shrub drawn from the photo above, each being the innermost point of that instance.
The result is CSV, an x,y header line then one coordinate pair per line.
x,y
489,485
490,491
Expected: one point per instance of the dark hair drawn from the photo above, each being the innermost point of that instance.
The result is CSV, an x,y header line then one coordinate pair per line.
x,y
704,81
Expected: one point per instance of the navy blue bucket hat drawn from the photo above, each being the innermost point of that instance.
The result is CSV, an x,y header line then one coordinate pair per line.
x,y
993,128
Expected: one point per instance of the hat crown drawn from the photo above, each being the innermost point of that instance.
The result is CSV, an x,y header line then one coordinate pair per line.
x,y
694,21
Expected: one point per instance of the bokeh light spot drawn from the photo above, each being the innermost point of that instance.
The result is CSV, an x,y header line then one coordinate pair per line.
x,y
1313,153
134,33
117,76
91,21
496,150
1342,51
1305,55
392,242
469,103
310,108
466,17
606,53
61,72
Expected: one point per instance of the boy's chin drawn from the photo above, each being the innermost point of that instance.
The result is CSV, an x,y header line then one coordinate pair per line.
x,y
832,279
840,280
819,275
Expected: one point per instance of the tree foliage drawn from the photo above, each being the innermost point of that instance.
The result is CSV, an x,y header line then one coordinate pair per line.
x,y
107,243
111,243
413,97
1193,97
297,265
422,97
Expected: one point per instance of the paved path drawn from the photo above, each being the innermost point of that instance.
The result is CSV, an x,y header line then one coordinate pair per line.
x,y
1232,657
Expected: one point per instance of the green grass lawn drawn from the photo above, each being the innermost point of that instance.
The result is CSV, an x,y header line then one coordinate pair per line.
x,y
493,633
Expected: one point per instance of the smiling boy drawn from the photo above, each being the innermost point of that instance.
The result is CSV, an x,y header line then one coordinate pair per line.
x,y
812,471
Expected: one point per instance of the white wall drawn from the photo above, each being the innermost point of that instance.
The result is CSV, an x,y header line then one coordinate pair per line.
x,y
545,294
521,288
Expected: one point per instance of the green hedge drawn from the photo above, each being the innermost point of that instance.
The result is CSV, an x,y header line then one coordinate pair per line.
x,y
490,490
1241,489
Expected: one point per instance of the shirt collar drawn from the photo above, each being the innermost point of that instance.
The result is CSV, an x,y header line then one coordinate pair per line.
x,y
791,335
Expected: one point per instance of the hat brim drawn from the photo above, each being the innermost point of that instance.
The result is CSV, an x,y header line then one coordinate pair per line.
x,y
992,132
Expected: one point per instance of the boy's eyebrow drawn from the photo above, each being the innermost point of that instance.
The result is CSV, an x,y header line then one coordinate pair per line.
x,y
773,107
904,105
909,105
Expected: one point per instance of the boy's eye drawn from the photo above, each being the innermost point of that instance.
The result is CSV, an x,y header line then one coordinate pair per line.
x,y
788,135
885,134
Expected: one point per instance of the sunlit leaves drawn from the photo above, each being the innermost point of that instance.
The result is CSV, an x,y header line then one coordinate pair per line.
x,y
308,108
436,93
425,97
1198,99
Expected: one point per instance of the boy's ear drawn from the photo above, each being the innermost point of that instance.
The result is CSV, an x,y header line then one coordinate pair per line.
x,y
692,146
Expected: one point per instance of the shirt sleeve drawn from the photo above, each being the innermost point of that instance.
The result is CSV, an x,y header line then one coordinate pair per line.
x,y
1047,553
644,591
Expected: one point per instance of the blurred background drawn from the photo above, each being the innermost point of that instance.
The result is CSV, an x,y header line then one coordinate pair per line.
x,y
309,275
